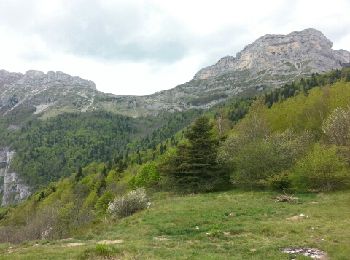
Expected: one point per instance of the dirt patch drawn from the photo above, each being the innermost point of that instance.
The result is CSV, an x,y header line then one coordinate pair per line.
x,y
110,242
161,238
313,253
297,217
73,244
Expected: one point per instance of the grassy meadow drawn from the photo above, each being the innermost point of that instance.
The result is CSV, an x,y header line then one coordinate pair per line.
x,y
223,225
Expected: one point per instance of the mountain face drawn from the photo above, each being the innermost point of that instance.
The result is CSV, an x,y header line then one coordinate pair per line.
x,y
269,62
300,53
36,92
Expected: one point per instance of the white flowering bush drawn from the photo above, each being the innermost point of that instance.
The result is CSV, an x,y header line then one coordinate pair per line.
x,y
337,127
128,204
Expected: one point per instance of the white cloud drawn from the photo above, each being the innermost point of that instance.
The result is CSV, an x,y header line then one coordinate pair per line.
x,y
143,46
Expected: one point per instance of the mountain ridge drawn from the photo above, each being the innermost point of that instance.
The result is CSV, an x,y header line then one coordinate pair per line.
x,y
267,63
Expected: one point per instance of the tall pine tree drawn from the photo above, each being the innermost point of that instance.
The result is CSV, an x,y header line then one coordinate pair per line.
x,y
194,167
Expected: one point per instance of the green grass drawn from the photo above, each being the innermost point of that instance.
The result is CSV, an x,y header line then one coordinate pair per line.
x,y
226,225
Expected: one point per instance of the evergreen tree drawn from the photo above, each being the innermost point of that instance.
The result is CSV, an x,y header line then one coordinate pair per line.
x,y
79,174
194,167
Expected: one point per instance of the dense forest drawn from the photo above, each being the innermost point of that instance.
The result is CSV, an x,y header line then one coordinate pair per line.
x,y
56,147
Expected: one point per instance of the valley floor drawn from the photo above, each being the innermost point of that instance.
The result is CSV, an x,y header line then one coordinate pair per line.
x,y
225,225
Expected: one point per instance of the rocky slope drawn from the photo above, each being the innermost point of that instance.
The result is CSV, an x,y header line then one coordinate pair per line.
x,y
269,62
12,189
36,92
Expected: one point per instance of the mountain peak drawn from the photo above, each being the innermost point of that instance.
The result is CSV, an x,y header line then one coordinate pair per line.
x,y
308,50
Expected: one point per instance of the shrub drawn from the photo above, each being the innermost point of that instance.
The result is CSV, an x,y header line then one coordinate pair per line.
x,y
280,182
147,176
337,127
321,170
128,204
255,163
103,202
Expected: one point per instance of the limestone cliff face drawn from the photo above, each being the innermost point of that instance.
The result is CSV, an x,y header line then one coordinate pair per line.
x,y
301,52
12,188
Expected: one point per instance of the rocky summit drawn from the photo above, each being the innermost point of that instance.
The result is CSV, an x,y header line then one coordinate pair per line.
x,y
297,53
267,63
36,92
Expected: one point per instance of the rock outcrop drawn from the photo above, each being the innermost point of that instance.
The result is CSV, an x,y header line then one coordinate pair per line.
x,y
12,188
301,52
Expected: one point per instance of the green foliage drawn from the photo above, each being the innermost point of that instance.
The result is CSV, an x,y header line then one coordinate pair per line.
x,y
254,161
99,251
280,182
321,170
258,161
194,167
48,150
102,203
147,176
62,207
303,85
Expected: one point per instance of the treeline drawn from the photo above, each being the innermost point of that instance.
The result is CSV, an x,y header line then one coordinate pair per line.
x,y
305,84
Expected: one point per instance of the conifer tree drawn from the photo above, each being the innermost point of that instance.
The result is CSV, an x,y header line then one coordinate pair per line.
x,y
194,167
79,174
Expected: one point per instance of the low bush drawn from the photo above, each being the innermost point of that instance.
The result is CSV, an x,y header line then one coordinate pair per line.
x,y
280,182
128,204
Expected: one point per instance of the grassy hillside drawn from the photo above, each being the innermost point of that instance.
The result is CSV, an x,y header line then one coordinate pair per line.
x,y
225,225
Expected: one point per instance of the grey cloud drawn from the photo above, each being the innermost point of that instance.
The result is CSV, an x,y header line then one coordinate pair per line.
x,y
88,28
124,31
121,33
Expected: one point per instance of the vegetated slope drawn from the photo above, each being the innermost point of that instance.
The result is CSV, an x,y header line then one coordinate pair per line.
x,y
66,148
84,196
57,147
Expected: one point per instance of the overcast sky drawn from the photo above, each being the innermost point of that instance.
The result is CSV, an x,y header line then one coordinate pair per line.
x,y
140,47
